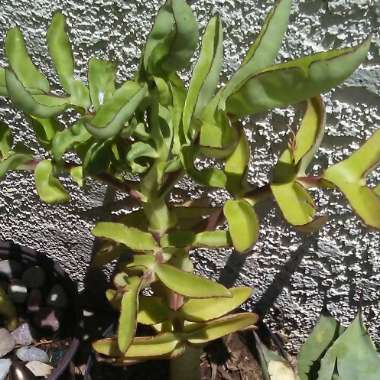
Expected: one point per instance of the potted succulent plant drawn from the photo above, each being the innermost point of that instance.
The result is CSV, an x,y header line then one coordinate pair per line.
x,y
38,315
144,136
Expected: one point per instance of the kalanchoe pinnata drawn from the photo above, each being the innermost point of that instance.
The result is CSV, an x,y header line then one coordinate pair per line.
x,y
155,127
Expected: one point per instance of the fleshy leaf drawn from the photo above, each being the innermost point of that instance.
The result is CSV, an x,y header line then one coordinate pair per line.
x,y
349,176
188,284
68,138
62,55
140,262
292,82
243,224
182,239
266,46
140,151
173,39
203,310
3,85
131,237
76,173
44,106
201,333
128,314
353,355
17,159
101,80
152,310
49,188
141,347
317,343
236,165
205,77
116,111
98,157
6,140
20,62
45,129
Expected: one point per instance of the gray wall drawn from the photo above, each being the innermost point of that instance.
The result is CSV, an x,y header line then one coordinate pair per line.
x,y
338,266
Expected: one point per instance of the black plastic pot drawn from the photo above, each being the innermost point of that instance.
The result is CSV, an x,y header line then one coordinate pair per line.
x,y
64,339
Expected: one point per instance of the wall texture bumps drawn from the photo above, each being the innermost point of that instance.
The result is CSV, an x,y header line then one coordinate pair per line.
x,y
339,267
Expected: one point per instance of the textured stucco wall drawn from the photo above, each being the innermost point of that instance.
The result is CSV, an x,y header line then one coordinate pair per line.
x,y
338,266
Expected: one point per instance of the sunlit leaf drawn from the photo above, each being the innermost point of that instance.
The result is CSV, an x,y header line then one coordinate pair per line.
x,y
45,129
266,46
101,81
188,284
17,159
205,77
202,310
243,224
141,347
43,106
152,310
349,176
200,333
353,355
140,262
63,60
128,314
295,81
76,173
49,188
6,140
129,236
212,239
317,343
21,64
140,151
116,111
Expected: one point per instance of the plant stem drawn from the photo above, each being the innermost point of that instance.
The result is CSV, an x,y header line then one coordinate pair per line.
x,y
187,366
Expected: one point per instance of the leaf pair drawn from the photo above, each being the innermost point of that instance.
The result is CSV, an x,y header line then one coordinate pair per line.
x,y
294,200
350,177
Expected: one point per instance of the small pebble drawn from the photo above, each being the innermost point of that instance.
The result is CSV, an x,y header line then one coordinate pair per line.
x,y
5,364
47,319
39,369
23,335
17,291
10,269
34,277
57,297
29,354
34,301
20,372
7,342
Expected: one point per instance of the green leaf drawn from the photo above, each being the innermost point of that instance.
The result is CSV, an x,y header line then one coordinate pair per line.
x,y
129,236
6,140
17,159
266,46
101,81
49,188
69,138
212,177
128,314
3,85
203,310
349,176
21,64
353,355
173,39
294,201
98,157
201,333
236,166
243,224
137,153
142,347
310,134
140,262
152,310
76,173
205,76
43,106
212,239
116,111
188,284
292,82
63,60
107,253
44,129
317,343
